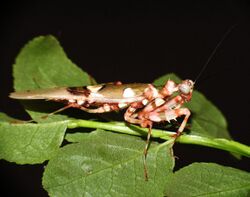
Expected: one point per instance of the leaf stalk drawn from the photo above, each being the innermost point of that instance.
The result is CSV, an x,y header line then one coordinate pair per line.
x,y
125,128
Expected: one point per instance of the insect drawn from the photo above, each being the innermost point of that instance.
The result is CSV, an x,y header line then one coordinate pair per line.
x,y
145,103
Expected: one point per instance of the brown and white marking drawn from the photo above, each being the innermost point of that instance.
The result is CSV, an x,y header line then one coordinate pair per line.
x,y
145,103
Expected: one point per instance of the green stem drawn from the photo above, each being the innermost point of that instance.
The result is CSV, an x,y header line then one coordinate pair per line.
x,y
121,127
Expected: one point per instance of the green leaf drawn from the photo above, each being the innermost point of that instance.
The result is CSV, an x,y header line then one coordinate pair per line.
x,y
30,143
76,137
42,63
108,164
163,79
207,120
208,179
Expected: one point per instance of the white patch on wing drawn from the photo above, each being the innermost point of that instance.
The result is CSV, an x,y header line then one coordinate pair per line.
x,y
95,95
94,88
128,93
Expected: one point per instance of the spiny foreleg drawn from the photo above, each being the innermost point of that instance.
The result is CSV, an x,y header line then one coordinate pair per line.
x,y
170,111
160,110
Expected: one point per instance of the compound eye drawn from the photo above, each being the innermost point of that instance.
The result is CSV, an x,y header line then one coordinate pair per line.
x,y
184,88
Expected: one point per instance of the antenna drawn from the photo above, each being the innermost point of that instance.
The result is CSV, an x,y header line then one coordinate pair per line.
x,y
214,51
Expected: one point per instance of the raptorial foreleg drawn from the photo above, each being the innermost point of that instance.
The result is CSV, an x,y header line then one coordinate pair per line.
x,y
169,115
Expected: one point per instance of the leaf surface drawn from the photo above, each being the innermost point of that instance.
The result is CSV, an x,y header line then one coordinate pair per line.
x,y
42,63
208,179
108,164
30,143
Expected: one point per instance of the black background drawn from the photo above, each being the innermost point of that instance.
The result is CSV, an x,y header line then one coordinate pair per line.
x,y
137,42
